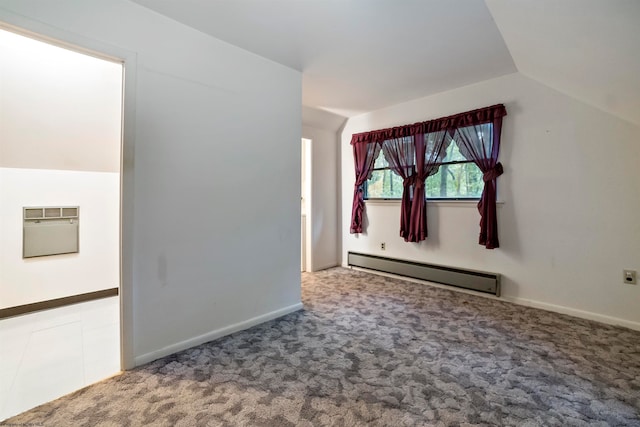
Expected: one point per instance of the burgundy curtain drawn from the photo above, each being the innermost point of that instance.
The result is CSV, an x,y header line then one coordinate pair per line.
x,y
400,154
478,137
364,157
481,144
430,150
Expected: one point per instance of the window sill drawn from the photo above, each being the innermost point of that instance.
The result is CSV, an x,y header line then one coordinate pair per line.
x,y
461,203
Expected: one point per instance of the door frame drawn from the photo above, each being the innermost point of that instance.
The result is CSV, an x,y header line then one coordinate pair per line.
x,y
307,143
40,31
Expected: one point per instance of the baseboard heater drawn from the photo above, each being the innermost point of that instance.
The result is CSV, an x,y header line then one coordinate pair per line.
x,y
468,279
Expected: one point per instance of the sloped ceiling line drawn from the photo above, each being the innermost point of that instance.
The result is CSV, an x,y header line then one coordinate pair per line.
x,y
357,56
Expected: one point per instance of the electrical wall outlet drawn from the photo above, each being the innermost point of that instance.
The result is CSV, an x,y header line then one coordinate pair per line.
x,y
383,246
629,277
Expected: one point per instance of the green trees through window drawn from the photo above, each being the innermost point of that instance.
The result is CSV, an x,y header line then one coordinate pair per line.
x,y
456,178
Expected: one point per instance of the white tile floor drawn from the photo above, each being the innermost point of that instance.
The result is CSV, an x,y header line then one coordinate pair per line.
x,y
51,353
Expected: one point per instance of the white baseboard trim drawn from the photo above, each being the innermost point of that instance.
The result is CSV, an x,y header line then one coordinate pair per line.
x,y
213,335
325,266
589,315
582,314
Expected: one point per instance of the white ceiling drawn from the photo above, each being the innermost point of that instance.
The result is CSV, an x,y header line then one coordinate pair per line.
x,y
589,49
358,55
361,55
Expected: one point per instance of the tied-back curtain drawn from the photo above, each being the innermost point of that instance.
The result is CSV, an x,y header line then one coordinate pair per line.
x,y
364,157
430,150
400,154
481,144
477,134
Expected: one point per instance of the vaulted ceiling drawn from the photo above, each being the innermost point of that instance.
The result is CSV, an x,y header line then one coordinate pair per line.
x,y
362,55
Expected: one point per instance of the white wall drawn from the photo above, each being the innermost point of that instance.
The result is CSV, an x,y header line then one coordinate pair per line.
x,y
216,173
59,109
322,129
568,225
94,267
323,203
60,124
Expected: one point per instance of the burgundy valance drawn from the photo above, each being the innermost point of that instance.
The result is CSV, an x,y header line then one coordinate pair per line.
x,y
469,118
385,134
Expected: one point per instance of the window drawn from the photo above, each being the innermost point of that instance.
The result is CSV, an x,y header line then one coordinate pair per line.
x,y
450,145
456,179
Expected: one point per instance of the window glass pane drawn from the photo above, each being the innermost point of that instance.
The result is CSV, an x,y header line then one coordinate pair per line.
x,y
381,161
453,153
434,139
384,184
462,180
456,181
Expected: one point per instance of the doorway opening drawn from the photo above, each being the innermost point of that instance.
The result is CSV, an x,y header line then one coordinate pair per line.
x,y
61,115
306,203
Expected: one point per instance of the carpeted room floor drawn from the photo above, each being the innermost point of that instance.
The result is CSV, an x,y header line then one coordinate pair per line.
x,y
369,350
